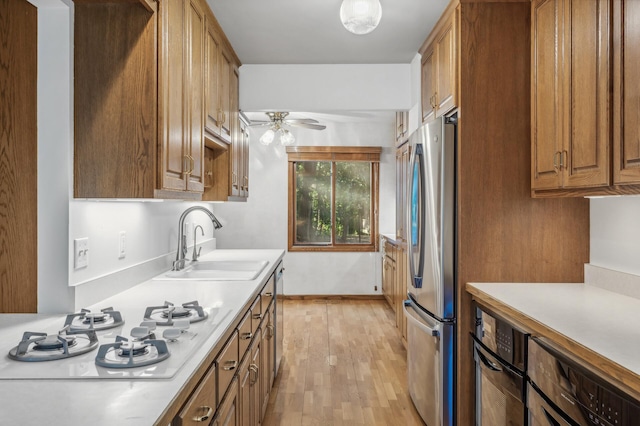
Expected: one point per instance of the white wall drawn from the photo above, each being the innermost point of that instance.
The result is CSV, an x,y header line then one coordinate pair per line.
x,y
261,222
55,126
377,87
615,233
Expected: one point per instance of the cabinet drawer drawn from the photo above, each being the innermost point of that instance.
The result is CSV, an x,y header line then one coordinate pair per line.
x,y
202,404
256,315
266,295
227,364
245,334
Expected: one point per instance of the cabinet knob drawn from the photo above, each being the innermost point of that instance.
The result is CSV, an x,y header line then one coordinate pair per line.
x,y
208,413
246,336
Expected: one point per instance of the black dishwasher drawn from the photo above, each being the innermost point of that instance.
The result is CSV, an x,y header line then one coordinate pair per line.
x,y
499,351
563,392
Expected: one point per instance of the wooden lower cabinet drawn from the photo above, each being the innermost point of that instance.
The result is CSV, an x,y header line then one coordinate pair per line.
x,y
402,280
254,380
229,412
202,405
235,390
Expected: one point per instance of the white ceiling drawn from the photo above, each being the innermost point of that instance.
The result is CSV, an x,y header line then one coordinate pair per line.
x,y
310,31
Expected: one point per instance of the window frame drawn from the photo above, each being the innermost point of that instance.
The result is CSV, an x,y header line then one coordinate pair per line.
x,y
333,154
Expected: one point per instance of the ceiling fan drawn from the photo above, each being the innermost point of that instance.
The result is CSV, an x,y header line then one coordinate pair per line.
x,y
278,123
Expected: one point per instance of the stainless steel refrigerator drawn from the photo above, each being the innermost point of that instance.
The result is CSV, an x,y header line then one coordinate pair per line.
x,y
430,308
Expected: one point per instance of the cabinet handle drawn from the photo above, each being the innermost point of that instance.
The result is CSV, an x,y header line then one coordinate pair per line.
x,y
270,329
257,316
185,162
246,336
253,369
555,161
193,164
219,117
207,415
234,179
268,294
230,365
563,159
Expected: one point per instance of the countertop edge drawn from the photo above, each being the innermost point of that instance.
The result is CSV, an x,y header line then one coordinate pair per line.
x,y
609,370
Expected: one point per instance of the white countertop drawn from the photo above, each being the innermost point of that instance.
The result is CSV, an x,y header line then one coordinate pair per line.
x,y
601,321
133,402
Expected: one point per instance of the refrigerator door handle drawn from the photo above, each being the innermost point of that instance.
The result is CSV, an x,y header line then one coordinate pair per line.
x,y
434,331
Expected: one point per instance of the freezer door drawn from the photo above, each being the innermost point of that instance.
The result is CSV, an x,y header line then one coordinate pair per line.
x,y
430,366
432,218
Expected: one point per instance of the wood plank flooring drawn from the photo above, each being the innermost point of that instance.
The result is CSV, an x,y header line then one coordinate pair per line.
x,y
343,363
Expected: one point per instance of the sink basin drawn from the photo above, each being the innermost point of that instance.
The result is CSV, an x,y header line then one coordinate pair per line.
x,y
219,270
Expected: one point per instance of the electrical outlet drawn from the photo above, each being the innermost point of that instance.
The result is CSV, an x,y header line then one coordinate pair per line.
x,y
81,252
122,244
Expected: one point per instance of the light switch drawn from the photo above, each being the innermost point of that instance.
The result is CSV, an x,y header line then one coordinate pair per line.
x,y
81,253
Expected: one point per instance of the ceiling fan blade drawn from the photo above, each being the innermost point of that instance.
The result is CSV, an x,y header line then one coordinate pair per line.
x,y
260,123
302,120
309,126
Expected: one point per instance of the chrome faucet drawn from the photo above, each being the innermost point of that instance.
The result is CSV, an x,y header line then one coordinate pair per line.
x,y
178,264
196,249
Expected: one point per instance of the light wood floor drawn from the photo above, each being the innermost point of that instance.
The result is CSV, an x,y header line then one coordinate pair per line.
x,y
344,363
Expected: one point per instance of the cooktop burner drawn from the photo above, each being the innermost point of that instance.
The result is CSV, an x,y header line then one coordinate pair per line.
x,y
128,354
43,347
86,320
165,314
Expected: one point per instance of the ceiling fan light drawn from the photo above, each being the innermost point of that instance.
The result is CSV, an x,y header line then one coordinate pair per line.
x,y
360,16
287,138
267,137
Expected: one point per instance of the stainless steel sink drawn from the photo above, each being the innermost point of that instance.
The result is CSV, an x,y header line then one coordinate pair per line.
x,y
219,270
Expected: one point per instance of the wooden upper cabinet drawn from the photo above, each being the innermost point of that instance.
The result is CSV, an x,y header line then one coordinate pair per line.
x,y
115,100
546,128
571,101
194,95
402,127
445,96
428,78
219,86
226,69
141,123
440,67
212,94
626,92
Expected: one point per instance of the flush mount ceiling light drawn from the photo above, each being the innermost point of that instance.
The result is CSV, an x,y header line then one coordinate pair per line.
x,y
277,127
360,16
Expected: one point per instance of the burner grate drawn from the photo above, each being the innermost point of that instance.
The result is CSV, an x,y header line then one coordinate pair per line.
x,y
86,320
42,347
165,314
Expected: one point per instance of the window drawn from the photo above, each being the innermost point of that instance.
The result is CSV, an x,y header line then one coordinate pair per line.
x,y
333,198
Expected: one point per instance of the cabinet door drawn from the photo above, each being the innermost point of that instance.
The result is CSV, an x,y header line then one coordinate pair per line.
x,y
245,160
194,95
546,126
236,139
228,414
212,94
254,381
172,157
202,404
428,81
244,392
225,94
587,56
446,68
626,114
266,364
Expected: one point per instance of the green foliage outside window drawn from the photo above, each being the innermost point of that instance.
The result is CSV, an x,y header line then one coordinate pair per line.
x,y
314,185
